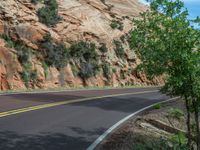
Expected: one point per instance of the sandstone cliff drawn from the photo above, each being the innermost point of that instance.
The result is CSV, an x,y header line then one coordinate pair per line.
x,y
82,20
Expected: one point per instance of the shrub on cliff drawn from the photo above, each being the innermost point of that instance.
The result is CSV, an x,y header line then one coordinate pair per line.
x,y
103,48
24,55
88,69
106,70
57,54
115,24
35,1
23,52
49,13
85,53
119,50
28,75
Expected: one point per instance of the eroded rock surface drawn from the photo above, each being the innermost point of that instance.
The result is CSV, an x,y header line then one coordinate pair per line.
x,y
87,20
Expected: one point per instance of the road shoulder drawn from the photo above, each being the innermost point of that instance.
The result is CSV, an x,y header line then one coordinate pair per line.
x,y
138,129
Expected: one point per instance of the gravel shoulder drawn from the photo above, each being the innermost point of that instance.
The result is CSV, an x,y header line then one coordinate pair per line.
x,y
160,121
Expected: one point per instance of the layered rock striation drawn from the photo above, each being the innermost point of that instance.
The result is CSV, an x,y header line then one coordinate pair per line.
x,y
91,21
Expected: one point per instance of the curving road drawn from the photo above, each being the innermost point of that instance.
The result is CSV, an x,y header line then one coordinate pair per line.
x,y
73,126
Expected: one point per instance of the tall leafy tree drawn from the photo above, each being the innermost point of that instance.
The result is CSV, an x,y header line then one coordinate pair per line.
x,y
167,44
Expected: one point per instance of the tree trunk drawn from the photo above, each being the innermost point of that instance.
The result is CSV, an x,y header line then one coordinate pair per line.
x,y
62,77
187,104
198,131
196,116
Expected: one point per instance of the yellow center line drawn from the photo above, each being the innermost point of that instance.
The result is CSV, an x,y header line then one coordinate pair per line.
x,y
32,108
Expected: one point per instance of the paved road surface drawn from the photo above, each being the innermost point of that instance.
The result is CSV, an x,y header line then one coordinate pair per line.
x,y
67,127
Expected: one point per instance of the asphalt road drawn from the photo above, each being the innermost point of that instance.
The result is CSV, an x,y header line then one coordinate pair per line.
x,y
67,127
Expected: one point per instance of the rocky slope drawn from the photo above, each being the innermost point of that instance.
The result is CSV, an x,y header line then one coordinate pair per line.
x,y
82,20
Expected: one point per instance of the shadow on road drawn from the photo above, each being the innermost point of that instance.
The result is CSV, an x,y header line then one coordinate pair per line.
x,y
126,104
69,95
47,97
82,132
13,141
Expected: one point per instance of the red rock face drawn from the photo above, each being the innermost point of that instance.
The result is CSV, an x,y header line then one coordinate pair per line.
x,y
29,34
82,20
1,28
3,81
10,69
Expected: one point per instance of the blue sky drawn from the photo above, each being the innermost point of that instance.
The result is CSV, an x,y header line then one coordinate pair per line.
x,y
193,7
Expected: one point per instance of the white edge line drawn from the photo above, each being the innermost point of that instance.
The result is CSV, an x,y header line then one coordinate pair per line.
x,y
107,132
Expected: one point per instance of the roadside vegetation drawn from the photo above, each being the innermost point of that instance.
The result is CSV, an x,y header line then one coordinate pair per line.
x,y
168,44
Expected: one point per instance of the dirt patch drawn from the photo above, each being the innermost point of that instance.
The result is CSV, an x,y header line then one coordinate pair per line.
x,y
160,122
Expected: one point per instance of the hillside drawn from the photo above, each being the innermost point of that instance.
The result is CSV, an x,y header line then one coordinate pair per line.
x,y
87,46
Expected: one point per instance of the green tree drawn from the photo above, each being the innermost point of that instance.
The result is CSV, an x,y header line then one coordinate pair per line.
x,y
166,42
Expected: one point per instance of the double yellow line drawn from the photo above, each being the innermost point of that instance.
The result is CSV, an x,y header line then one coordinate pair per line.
x,y
38,107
